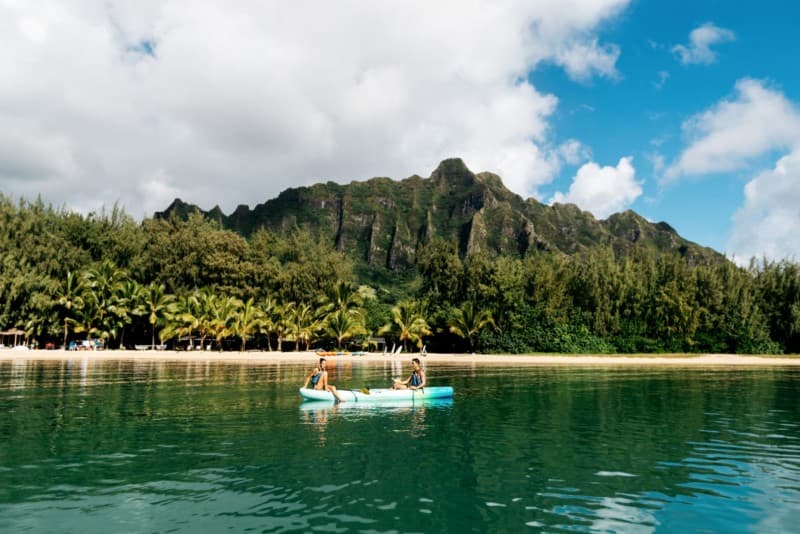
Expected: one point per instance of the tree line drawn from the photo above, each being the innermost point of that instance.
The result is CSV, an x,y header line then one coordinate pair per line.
x,y
66,276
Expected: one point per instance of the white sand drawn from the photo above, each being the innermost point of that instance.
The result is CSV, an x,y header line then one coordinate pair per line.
x,y
676,360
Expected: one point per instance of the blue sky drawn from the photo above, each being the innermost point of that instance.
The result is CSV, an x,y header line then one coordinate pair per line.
x,y
640,113
686,112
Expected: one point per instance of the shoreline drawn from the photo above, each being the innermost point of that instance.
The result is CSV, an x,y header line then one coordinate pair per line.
x,y
571,360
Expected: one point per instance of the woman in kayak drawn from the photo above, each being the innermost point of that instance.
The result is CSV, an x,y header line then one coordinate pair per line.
x,y
318,378
415,381
313,378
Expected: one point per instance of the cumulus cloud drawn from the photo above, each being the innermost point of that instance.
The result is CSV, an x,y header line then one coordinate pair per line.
x,y
586,59
698,50
573,152
757,120
109,100
603,190
768,224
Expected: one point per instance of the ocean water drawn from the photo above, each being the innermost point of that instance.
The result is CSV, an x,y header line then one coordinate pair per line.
x,y
129,446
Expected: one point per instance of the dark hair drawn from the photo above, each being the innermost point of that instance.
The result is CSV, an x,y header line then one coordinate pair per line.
x,y
415,360
321,360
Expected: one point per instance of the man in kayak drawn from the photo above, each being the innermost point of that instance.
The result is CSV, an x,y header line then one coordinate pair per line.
x,y
415,381
318,378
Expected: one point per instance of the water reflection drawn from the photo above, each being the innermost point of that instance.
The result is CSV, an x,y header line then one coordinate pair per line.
x,y
321,413
374,408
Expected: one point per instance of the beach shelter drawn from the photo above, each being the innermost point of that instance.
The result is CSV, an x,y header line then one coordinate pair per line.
x,y
14,332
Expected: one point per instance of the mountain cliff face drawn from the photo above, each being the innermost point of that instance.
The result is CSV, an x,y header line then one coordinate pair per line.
x,y
382,222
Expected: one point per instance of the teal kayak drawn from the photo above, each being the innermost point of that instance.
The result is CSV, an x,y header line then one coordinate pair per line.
x,y
380,395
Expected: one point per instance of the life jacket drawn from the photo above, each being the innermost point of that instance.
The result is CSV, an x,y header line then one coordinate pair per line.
x,y
415,379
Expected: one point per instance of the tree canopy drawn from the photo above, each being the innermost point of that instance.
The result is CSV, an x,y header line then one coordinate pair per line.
x,y
66,276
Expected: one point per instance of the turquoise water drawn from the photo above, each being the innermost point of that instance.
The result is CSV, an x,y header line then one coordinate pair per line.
x,y
212,447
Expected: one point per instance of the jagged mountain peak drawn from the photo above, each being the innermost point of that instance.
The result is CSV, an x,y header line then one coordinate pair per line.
x,y
382,222
451,167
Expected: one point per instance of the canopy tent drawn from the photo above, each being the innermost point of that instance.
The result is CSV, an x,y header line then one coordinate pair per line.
x,y
14,332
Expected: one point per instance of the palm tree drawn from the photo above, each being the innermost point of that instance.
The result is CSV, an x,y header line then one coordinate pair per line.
x,y
207,303
223,316
408,323
128,297
185,318
100,285
158,305
68,298
84,315
302,325
280,322
467,322
35,324
342,296
247,318
267,325
342,325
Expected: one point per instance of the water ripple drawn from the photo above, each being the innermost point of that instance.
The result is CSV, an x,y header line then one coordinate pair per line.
x,y
220,447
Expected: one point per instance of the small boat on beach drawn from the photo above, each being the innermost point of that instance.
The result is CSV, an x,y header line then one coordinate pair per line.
x,y
328,353
380,395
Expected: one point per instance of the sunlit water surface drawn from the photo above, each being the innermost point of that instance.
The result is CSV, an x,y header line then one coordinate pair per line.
x,y
212,447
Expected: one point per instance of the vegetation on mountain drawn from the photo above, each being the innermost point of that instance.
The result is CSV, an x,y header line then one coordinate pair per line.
x,y
381,224
454,261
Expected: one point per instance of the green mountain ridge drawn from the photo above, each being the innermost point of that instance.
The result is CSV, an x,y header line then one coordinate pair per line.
x,y
382,222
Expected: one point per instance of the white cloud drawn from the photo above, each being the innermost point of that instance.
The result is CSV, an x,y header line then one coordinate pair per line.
x,y
698,50
663,76
725,137
757,121
158,191
573,152
658,162
108,100
603,190
583,60
768,224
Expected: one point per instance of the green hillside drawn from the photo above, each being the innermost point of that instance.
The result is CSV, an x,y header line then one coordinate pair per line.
x,y
381,223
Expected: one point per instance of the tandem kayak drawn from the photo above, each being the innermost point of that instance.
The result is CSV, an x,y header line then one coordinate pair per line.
x,y
380,395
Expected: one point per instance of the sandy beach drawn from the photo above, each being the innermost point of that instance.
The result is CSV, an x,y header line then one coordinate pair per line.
x,y
576,360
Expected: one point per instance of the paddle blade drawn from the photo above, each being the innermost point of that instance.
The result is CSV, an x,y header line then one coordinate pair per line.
x,y
365,391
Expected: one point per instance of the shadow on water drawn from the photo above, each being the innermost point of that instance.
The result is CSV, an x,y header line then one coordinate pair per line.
x,y
156,446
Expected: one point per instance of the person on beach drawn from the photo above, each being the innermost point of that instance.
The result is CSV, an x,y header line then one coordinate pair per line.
x,y
318,378
415,381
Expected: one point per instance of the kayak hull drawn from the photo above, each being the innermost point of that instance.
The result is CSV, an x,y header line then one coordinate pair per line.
x,y
370,408
380,395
